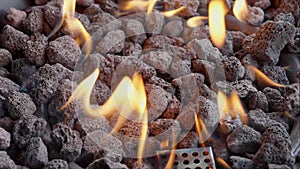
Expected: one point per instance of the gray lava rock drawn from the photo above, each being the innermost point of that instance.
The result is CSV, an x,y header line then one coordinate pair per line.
x,y
160,60
135,31
280,117
84,3
173,28
35,49
191,7
22,69
243,88
277,74
275,100
5,57
257,100
113,42
292,96
154,22
68,143
164,128
106,21
131,49
35,21
15,17
6,162
28,127
243,139
56,163
43,84
13,40
241,163
205,50
274,166
160,41
36,153
19,104
256,16
87,125
201,32
4,139
237,39
63,50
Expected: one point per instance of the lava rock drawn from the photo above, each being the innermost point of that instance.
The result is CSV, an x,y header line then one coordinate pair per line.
x,y
20,104
5,57
292,97
6,162
63,50
22,69
154,22
277,74
256,16
274,166
135,31
113,42
160,41
173,28
220,149
228,124
259,120
35,21
263,49
56,163
287,6
205,50
92,10
191,7
36,153
4,139
201,32
86,125
189,140
108,5
157,81
263,4
13,40
241,163
15,17
208,69
288,17
131,49
7,124
237,39
275,100
160,60
243,139
257,100
28,127
68,143
173,109
84,3
280,117
35,49
106,21
233,68
164,128
243,88
43,84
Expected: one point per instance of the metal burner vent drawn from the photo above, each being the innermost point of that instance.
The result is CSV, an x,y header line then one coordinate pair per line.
x,y
196,158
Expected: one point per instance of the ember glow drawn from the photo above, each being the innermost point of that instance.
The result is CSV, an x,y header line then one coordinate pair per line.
x,y
172,153
240,10
260,76
216,18
196,21
134,5
74,26
222,163
231,106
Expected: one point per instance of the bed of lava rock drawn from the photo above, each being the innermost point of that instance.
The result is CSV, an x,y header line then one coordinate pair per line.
x,y
37,77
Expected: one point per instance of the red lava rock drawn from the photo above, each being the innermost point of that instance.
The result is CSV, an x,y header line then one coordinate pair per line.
x,y
107,22
263,4
173,28
190,140
205,50
233,68
108,5
159,60
92,10
159,41
201,32
191,7
256,16
35,21
286,6
237,39
163,128
132,49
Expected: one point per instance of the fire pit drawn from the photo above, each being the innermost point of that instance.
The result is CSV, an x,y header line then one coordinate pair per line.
x,y
150,84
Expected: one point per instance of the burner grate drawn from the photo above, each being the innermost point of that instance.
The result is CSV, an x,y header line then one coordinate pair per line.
x,y
196,158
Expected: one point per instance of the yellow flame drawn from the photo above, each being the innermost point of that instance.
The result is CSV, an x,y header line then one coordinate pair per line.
x,y
172,153
151,5
216,18
262,77
74,25
200,129
134,5
173,12
240,10
196,21
231,106
164,144
223,163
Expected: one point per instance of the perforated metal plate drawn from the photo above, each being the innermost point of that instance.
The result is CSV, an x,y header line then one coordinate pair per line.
x,y
197,158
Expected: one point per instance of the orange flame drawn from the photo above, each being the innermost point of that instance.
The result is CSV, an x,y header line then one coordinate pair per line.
x,y
74,25
129,98
240,10
134,5
216,18
262,77
172,153
196,21
201,129
222,163
173,12
231,106
164,144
